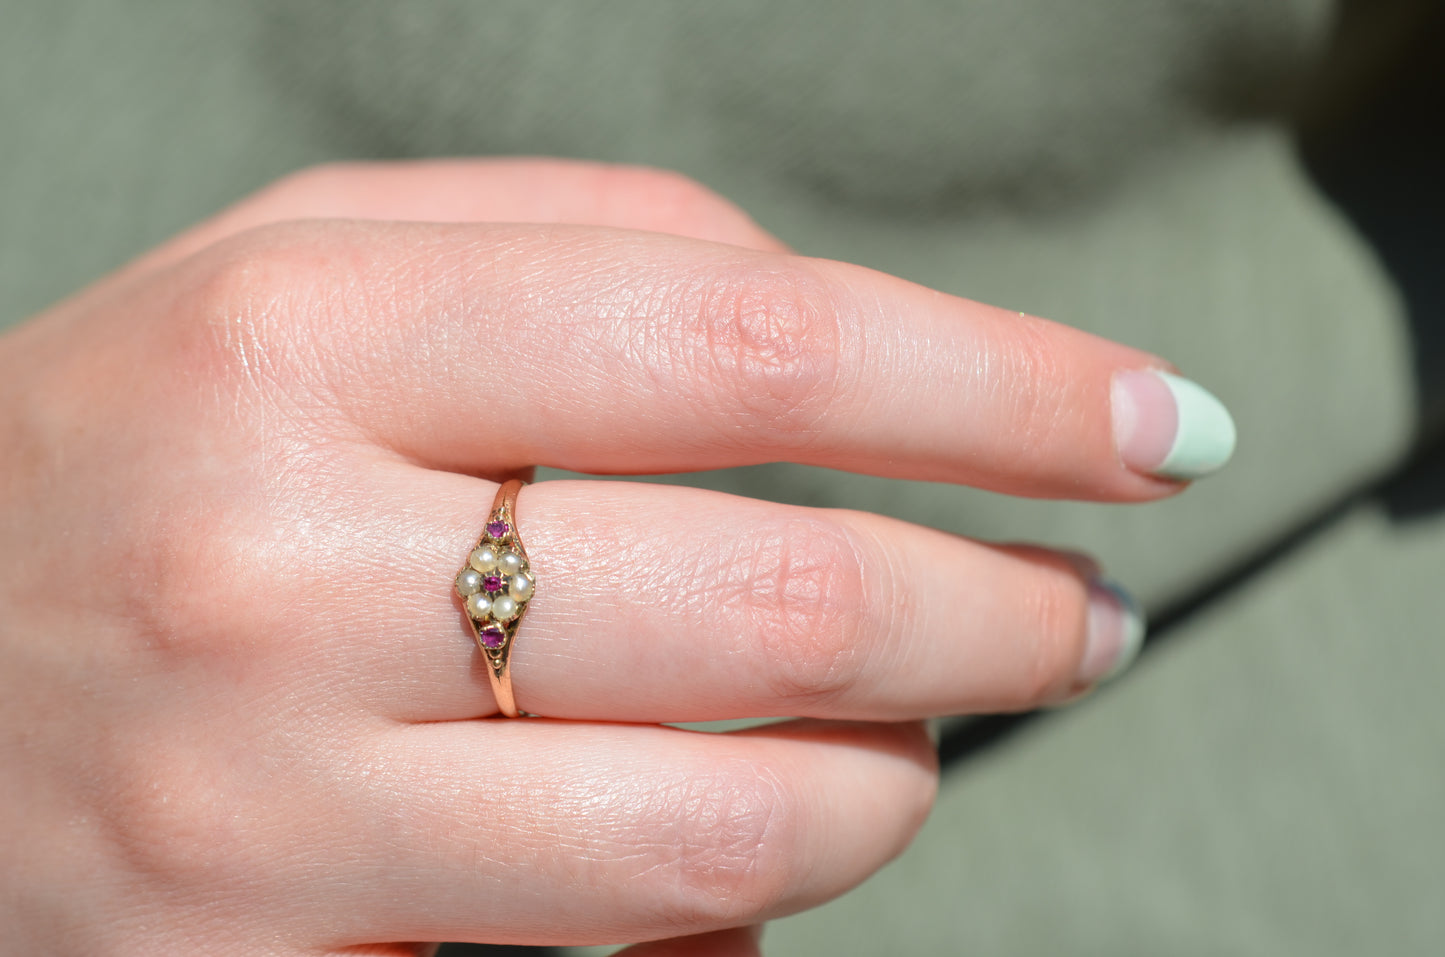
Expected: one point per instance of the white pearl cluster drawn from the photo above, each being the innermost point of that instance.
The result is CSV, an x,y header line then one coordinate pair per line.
x,y
508,569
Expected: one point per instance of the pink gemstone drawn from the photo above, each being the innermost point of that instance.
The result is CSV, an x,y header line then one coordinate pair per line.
x,y
492,583
493,636
498,529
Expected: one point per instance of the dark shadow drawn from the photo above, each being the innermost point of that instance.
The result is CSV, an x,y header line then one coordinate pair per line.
x,y
1416,491
493,950
1373,139
977,736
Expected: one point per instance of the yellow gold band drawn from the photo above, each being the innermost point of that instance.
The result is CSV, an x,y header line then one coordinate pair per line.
x,y
495,586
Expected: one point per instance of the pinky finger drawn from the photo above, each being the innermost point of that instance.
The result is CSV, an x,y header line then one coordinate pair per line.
x,y
737,942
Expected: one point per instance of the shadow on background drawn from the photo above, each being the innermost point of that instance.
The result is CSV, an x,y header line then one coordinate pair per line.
x,y
1417,491
1373,140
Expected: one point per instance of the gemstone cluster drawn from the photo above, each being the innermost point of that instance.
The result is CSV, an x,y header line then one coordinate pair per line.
x,y
496,584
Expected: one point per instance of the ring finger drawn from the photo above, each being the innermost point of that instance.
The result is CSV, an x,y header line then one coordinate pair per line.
x,y
662,604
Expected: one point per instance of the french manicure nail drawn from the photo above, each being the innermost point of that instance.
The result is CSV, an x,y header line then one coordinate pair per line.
x,y
1116,633
1169,426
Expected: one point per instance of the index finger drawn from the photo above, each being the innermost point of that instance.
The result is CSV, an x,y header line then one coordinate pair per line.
x,y
489,348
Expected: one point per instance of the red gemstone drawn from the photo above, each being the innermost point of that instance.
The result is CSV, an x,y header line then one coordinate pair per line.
x,y
493,636
498,529
492,583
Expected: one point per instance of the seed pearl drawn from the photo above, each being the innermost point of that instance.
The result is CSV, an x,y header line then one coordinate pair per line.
x,y
504,608
510,563
483,559
478,606
520,587
469,582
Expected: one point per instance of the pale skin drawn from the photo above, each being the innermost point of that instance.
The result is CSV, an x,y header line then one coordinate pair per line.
x,y
238,701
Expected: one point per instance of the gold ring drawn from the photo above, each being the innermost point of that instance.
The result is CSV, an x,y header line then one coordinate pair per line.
x,y
495,586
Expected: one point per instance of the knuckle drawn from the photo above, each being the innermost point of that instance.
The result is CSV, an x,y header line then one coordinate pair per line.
x,y
203,586
806,604
770,341
207,579
243,302
171,822
1055,618
724,852
274,312
256,267
173,614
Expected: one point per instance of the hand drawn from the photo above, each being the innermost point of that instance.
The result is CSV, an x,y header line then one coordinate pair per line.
x,y
237,694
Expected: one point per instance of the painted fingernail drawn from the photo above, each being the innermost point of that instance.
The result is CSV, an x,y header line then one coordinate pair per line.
x,y
1169,426
1116,633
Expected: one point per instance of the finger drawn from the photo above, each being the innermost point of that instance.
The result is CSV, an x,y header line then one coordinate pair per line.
x,y
510,190
737,942
498,347
476,830
675,604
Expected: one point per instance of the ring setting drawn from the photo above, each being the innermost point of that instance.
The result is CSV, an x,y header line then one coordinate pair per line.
x,y
496,585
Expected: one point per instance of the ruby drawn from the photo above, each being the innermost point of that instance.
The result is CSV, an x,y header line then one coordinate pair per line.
x,y
493,636
498,529
492,583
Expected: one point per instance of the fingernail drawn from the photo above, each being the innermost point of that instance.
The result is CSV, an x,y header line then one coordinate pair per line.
x,y
1116,633
934,728
1169,426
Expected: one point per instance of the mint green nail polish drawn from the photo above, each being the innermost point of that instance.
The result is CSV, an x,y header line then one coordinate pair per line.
x,y
1204,437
